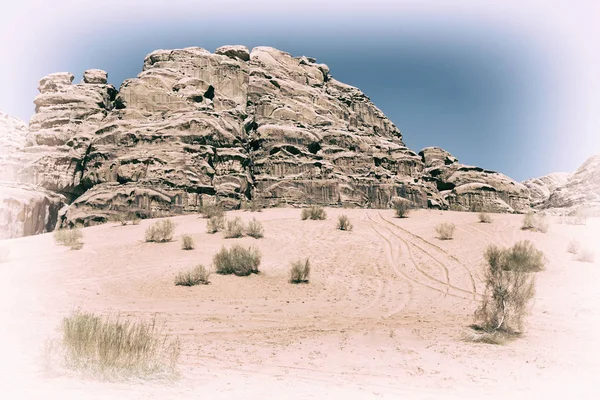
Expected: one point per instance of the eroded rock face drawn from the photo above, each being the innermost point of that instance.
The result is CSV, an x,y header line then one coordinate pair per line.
x,y
465,187
541,188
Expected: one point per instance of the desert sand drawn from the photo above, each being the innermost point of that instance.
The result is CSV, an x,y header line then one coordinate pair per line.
x,y
384,314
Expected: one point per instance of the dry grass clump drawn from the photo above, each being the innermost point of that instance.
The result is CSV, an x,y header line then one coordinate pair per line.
x,y
534,222
343,223
187,242
196,276
299,271
114,348
313,212
255,229
574,247
161,231
127,218
445,230
253,206
212,210
215,224
585,255
237,260
485,218
402,208
69,237
510,287
235,228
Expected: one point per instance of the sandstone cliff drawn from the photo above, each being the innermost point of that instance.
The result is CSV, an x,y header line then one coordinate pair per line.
x,y
541,188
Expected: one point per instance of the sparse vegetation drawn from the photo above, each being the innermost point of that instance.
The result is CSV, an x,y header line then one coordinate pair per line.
x,y
300,271
585,255
253,206
343,223
127,218
534,222
212,210
510,287
69,237
485,218
445,230
215,224
235,228
402,208
255,229
577,217
237,260
314,212
574,247
187,242
114,348
161,231
196,276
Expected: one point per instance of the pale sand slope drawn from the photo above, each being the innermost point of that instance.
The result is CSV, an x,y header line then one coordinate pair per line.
x,y
382,317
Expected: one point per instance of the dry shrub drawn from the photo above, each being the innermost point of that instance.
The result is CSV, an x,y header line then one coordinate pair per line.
x,y
253,206
127,218
343,223
69,237
586,255
314,212
445,230
577,217
255,229
215,224
523,256
212,210
187,242
574,247
485,218
235,228
237,260
509,290
196,276
114,348
402,208
160,231
299,271
535,222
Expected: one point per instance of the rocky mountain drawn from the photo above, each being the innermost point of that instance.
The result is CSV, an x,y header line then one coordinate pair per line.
x,y
232,126
541,188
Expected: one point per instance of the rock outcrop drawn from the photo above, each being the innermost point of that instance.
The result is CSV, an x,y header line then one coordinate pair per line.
x,y
541,188
465,187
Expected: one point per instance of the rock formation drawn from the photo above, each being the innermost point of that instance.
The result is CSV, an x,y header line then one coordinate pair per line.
x,y
541,188
233,126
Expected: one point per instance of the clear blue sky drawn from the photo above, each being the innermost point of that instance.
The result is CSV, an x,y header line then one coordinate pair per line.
x,y
508,86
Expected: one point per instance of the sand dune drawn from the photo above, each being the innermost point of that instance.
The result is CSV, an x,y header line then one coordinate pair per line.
x,y
383,316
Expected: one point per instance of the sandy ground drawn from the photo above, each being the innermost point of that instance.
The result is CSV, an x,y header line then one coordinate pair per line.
x,y
383,316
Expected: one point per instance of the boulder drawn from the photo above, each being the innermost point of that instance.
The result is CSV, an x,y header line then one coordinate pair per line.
x,y
95,76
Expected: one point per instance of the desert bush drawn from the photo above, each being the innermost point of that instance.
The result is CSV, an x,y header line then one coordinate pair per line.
x,y
116,348
574,247
343,223
215,224
126,218
314,212
586,255
196,276
445,230
253,206
510,287
402,208
237,260
255,229
235,228
577,217
299,271
534,222
187,242
212,210
69,237
485,218
523,256
456,207
161,231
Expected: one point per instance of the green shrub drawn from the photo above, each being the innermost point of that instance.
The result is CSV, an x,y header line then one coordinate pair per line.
x,y
485,218
343,223
235,228
255,229
215,224
187,242
69,237
314,212
534,222
196,276
402,208
212,210
445,230
115,348
161,231
237,260
299,271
